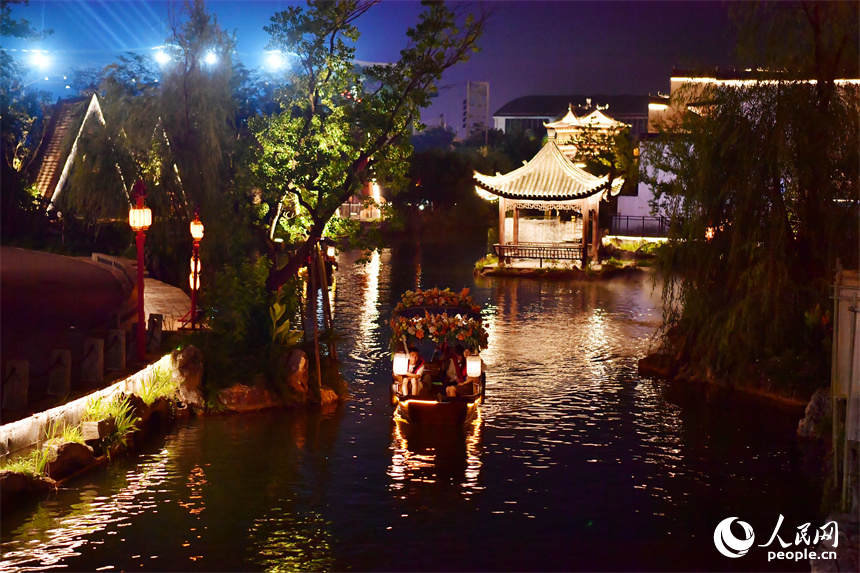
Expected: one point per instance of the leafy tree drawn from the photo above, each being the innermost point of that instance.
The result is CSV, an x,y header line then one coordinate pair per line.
x,y
340,126
761,181
22,110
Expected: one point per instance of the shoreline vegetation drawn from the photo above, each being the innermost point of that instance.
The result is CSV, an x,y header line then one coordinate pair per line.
x,y
107,427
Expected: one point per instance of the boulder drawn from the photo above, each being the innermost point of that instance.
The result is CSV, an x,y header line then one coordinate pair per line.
x,y
71,457
657,365
244,398
817,419
16,488
187,365
296,369
328,396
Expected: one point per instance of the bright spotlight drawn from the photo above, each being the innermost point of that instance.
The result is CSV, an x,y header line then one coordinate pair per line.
x,y
40,59
161,58
275,60
211,58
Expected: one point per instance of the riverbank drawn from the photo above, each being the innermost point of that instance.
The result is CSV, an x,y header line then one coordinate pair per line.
x,y
44,451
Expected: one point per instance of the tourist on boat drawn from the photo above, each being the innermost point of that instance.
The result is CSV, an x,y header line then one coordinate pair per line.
x,y
466,388
410,383
455,372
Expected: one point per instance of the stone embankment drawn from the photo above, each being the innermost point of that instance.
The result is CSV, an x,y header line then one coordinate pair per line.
x,y
66,460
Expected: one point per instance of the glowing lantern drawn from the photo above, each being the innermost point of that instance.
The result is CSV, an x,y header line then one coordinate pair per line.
x,y
401,363
196,229
140,218
330,251
473,366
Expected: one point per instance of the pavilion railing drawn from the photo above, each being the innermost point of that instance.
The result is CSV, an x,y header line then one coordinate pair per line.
x,y
550,251
632,226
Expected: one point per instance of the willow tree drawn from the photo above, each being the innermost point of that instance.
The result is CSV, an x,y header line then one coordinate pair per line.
x,y
761,182
341,125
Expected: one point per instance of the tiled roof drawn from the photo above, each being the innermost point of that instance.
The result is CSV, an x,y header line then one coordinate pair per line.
x,y
548,176
596,119
553,105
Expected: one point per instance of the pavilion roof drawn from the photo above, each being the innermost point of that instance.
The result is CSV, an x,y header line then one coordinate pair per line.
x,y
596,119
549,176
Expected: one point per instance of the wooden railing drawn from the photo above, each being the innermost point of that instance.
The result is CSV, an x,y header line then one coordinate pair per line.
x,y
551,251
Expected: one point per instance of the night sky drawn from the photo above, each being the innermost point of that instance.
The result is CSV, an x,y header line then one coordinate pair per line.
x,y
529,47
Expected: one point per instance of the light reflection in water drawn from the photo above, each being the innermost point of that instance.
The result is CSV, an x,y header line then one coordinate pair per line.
x,y
39,546
434,454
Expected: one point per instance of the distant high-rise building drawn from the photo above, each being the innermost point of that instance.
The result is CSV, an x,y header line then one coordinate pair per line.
x,y
476,109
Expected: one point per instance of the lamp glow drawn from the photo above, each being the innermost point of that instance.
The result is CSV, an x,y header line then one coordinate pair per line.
x,y
140,218
275,60
196,229
330,251
40,60
473,366
195,265
401,363
194,282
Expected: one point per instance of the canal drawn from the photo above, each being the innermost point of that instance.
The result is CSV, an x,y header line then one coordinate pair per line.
x,y
575,463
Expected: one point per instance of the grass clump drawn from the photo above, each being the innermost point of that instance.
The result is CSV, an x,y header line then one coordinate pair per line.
x,y
486,261
118,408
157,384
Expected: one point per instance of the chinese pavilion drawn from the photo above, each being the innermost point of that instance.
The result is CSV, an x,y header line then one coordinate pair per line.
x,y
549,181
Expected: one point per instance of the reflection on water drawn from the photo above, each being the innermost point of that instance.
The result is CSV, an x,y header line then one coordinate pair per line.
x,y
575,463
429,455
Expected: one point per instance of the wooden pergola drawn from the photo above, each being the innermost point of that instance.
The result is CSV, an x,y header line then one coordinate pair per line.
x,y
549,181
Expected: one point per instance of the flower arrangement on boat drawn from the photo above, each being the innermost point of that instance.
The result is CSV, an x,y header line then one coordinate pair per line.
x,y
436,297
448,317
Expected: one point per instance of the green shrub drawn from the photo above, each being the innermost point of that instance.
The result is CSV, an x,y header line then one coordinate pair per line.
x,y
486,261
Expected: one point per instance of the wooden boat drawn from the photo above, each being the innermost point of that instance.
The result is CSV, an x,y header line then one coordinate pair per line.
x,y
443,317
436,409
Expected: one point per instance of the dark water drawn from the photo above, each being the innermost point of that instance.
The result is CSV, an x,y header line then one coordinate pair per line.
x,y
575,463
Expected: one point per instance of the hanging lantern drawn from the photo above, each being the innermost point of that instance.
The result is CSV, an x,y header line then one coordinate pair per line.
x,y
195,266
140,218
194,281
401,363
473,366
196,229
330,251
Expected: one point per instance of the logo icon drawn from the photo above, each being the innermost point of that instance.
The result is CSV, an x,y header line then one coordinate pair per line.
x,y
727,543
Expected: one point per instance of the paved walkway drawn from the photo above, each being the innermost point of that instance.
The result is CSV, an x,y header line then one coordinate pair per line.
x,y
170,302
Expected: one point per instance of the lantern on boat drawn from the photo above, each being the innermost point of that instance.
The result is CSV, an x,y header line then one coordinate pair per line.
x,y
473,366
401,363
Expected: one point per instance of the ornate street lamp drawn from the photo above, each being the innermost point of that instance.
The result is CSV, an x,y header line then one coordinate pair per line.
x,y
194,277
140,218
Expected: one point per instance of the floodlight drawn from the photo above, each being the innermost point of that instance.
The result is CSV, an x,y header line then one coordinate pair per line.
x,y
40,59
275,60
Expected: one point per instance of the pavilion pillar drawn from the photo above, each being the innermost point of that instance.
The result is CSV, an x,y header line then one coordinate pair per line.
x,y
585,221
516,225
595,232
502,210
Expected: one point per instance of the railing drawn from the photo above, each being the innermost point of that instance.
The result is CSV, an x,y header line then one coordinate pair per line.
x,y
552,251
632,226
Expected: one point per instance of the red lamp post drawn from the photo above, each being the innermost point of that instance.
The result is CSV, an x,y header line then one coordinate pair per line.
x,y
194,277
140,218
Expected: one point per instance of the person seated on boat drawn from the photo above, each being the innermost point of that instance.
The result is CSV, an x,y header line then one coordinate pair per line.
x,y
468,386
455,369
410,384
